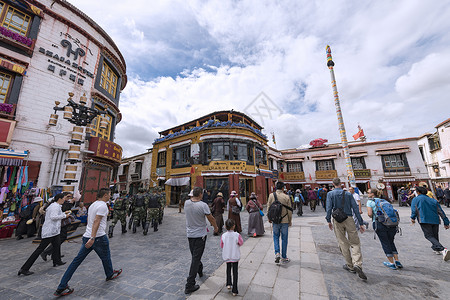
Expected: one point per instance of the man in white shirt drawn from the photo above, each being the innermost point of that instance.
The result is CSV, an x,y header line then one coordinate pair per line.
x,y
50,235
94,238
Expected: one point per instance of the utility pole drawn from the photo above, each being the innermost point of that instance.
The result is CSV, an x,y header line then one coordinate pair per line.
x,y
350,174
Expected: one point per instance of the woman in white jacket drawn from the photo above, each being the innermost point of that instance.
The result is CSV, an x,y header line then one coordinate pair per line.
x,y
50,235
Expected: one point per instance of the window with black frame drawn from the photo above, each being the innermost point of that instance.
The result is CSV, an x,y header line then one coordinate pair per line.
x,y
358,163
294,167
180,157
395,162
161,159
325,165
227,150
260,156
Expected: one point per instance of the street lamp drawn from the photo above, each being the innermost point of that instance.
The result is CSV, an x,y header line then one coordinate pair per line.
x,y
81,116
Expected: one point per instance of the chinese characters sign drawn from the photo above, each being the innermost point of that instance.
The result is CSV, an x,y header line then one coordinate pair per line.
x,y
105,149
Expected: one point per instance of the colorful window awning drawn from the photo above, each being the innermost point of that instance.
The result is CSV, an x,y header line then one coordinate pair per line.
x,y
9,157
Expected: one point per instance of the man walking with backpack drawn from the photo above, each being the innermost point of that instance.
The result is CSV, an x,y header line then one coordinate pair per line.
x,y
427,211
279,214
340,204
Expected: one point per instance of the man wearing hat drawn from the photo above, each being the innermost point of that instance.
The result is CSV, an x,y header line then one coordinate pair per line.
x,y
217,210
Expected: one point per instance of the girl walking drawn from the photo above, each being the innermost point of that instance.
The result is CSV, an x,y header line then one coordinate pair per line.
x,y
230,242
385,234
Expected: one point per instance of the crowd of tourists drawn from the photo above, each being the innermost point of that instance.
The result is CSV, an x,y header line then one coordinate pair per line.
x,y
343,214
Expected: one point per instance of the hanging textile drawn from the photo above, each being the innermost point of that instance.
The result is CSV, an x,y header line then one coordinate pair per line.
x,y
25,176
11,181
19,178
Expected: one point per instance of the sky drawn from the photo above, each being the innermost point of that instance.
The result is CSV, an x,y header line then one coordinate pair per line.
x,y
266,58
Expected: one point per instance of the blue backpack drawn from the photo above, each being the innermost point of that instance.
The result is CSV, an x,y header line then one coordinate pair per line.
x,y
386,214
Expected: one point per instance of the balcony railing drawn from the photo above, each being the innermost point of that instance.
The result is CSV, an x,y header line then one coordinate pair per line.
x,y
326,174
293,175
362,173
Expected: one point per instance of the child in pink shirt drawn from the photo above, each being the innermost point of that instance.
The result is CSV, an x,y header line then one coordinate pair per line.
x,y
230,243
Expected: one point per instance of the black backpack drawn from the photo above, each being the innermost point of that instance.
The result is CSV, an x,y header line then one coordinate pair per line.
x,y
139,201
153,201
275,210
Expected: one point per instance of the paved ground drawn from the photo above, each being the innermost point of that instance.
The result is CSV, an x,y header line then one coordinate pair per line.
x,y
315,270
154,266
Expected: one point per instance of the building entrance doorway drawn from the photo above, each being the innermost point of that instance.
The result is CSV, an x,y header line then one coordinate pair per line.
x,y
245,189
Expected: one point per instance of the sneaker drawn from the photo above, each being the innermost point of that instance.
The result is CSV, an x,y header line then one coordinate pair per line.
x,y
285,260
235,294
445,254
360,272
63,292
277,258
347,268
115,274
438,252
389,265
398,264
229,287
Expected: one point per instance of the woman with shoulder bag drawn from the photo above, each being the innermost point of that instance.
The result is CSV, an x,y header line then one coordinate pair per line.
x,y
255,221
234,208
385,234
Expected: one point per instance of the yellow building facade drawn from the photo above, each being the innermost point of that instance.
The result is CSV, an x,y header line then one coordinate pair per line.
x,y
221,152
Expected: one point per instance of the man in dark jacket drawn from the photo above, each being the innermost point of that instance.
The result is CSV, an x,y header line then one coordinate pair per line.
x,y
427,211
345,231
447,196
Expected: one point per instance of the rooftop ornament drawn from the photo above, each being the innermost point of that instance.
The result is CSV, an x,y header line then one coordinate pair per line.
x,y
210,124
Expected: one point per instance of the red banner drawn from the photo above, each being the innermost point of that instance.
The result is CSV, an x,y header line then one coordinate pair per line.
x,y
6,131
105,149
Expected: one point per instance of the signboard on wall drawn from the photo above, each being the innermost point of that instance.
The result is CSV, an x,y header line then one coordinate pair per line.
x,y
105,149
227,166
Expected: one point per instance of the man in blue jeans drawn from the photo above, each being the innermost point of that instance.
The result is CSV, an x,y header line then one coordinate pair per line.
x,y
93,239
283,227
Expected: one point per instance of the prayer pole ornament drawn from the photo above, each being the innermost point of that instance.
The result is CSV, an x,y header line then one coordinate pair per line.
x,y
350,174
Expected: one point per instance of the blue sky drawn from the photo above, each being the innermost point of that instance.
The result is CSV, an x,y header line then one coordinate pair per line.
x,y
186,59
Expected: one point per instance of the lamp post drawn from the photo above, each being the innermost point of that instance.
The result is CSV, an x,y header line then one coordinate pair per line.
x,y
350,174
81,116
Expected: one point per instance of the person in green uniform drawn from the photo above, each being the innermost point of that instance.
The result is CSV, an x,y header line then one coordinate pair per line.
x,y
162,201
153,208
139,208
120,214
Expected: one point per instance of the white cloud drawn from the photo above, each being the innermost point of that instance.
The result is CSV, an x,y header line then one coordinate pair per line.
x,y
390,60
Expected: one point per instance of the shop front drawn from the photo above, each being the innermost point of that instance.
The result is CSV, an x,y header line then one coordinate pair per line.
x,y
97,168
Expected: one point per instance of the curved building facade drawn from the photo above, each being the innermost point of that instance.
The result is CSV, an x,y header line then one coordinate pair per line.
x,y
221,152
49,49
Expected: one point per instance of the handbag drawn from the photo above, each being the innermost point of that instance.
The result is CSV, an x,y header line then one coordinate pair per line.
x,y
235,210
338,214
260,211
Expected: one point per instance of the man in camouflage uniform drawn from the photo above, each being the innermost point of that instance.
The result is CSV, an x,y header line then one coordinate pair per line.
x,y
153,208
139,208
120,213
162,201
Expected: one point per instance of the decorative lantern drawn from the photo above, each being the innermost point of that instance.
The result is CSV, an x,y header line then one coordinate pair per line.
x,y
83,99
53,120
67,112
77,135
74,152
71,172
103,123
68,188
